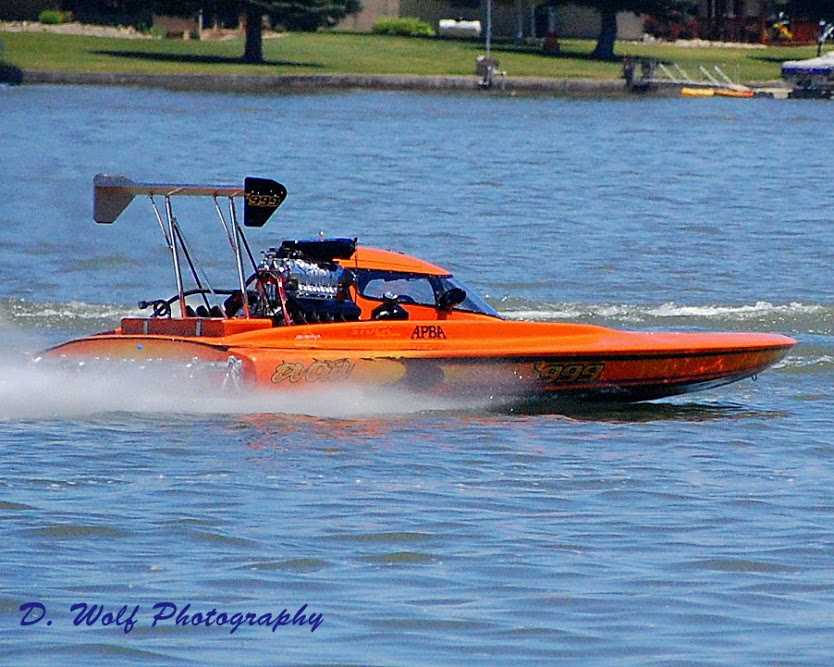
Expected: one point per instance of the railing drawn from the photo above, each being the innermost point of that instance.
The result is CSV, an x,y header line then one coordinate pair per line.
x,y
642,73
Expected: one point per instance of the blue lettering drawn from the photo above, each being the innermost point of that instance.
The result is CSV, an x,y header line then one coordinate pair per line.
x,y
92,614
239,619
28,608
182,617
168,611
161,615
299,618
130,622
282,619
315,620
88,614
125,617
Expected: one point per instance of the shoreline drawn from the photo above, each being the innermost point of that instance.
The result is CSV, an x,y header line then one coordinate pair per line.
x,y
289,83
277,83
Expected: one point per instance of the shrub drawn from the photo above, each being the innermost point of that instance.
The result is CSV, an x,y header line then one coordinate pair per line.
x,y
51,17
405,26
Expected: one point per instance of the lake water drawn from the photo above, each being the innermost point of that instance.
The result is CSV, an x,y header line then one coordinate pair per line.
x,y
694,531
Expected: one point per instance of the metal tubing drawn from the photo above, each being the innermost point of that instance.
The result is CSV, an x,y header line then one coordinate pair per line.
x,y
193,266
175,255
238,233
159,220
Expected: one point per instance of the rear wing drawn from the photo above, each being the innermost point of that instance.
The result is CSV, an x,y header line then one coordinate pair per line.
x,y
113,194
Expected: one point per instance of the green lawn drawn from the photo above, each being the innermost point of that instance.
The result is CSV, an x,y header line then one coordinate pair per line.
x,y
303,53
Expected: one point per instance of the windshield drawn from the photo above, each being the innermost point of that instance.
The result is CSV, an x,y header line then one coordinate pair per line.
x,y
418,288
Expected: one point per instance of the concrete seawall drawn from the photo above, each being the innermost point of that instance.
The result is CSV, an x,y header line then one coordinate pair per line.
x,y
278,83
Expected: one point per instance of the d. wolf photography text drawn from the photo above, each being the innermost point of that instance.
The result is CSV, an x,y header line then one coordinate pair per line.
x,y
34,614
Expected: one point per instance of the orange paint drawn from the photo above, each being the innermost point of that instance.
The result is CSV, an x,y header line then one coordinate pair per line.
x,y
445,352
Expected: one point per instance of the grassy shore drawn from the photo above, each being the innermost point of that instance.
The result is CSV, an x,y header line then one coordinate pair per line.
x,y
334,53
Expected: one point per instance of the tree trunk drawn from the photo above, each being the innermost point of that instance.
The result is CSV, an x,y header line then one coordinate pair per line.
x,y
607,35
253,52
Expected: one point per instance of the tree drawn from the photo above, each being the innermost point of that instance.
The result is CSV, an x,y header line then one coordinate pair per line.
x,y
814,10
294,15
608,10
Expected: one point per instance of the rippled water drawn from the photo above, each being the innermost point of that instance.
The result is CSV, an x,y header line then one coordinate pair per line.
x,y
695,531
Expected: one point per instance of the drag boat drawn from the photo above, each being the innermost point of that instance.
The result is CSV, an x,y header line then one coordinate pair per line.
x,y
330,312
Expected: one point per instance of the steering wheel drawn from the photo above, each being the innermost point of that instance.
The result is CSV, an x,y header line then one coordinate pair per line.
x,y
161,309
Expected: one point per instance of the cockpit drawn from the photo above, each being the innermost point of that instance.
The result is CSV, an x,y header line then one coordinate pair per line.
x,y
421,290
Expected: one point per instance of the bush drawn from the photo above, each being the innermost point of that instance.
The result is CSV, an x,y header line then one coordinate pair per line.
x,y
406,26
51,17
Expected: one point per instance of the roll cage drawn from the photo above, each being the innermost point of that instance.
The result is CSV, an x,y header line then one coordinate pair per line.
x,y
298,282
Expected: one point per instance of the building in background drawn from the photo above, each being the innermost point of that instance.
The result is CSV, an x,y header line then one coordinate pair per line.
x,y
724,20
518,19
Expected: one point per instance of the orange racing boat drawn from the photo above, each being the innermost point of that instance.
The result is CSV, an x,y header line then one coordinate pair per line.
x,y
328,311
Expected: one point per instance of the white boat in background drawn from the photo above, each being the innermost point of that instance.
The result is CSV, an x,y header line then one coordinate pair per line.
x,y
813,77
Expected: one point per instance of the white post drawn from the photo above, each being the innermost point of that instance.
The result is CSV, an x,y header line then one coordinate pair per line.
x,y
489,27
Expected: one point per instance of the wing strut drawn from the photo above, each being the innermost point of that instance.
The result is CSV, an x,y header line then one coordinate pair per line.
x,y
262,196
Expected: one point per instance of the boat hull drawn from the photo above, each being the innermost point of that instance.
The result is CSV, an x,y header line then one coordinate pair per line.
x,y
813,77
448,358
